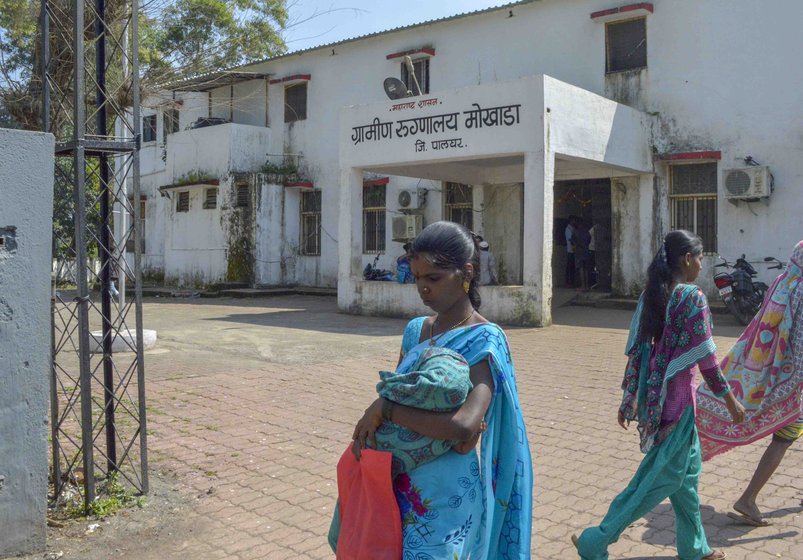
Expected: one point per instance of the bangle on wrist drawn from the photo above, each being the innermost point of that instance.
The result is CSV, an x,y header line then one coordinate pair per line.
x,y
387,409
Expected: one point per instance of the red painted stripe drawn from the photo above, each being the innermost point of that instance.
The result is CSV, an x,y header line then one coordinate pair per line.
x,y
424,50
301,184
624,9
375,182
680,156
301,77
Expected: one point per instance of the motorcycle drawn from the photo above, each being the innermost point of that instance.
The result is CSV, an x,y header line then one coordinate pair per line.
x,y
371,272
742,296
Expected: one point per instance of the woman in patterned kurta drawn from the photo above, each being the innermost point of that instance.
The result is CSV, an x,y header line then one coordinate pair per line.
x,y
460,505
670,338
765,368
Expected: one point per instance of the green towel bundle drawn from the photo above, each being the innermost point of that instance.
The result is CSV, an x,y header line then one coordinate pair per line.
x,y
439,381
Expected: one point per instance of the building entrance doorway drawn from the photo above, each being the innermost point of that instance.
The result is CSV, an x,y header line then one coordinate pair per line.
x,y
588,203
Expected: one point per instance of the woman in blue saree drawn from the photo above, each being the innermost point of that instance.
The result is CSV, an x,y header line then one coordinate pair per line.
x,y
460,505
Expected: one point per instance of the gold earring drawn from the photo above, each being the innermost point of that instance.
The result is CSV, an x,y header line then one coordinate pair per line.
x,y
465,286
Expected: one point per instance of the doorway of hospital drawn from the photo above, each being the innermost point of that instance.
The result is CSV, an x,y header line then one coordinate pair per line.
x,y
586,204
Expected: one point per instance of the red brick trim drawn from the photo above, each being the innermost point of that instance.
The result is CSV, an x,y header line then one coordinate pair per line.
x,y
429,51
623,10
300,185
375,182
293,78
686,156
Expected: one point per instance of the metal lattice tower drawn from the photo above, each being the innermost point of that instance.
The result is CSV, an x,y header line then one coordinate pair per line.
x,y
90,75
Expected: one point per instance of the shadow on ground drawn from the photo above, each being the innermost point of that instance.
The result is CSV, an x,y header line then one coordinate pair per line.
x,y
721,530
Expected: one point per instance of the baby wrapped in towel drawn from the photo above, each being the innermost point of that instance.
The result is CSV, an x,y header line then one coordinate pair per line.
x,y
439,381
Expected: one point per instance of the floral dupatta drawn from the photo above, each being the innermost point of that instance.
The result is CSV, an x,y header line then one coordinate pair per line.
x,y
760,370
686,339
505,453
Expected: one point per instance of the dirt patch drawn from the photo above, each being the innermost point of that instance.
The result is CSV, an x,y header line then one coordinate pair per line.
x,y
164,526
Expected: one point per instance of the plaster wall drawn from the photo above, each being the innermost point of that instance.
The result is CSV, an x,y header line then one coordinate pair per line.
x,y
250,103
195,244
26,208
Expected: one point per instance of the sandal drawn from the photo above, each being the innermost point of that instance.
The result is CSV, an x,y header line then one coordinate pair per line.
x,y
745,519
716,555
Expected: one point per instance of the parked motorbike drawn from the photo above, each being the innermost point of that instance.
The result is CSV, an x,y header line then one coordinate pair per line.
x,y
371,272
741,295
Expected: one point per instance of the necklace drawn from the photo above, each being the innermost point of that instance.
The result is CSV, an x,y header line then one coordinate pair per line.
x,y
433,340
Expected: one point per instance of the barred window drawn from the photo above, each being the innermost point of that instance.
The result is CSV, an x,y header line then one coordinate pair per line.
x,y
421,68
243,196
295,102
626,45
310,223
169,122
183,202
459,204
693,200
210,199
373,219
149,128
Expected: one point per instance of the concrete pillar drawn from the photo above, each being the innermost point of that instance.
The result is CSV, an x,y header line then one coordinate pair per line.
x,y
637,221
539,178
26,229
349,245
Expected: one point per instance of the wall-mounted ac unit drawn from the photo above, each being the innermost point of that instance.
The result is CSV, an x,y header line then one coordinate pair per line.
x,y
407,227
747,183
408,200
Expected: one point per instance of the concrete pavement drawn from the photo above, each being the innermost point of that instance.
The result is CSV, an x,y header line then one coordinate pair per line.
x,y
251,402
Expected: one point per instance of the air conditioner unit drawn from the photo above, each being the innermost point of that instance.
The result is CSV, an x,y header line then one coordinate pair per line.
x,y
408,200
407,227
747,183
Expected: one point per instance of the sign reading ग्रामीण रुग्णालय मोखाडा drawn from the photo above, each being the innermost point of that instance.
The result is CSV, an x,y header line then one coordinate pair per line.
x,y
476,118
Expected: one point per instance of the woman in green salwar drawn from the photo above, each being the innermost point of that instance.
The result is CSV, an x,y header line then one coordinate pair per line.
x,y
670,338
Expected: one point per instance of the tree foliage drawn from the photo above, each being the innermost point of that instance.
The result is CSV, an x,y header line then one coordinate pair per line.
x,y
177,38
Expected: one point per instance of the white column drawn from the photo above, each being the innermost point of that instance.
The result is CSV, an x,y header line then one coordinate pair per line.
x,y
349,238
539,174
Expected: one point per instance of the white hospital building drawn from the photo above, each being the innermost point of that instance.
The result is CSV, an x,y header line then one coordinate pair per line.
x,y
299,170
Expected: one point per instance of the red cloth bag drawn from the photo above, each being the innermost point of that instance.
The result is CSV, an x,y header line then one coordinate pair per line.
x,y
370,521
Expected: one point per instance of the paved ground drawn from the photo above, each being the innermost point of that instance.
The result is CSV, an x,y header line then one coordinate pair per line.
x,y
252,401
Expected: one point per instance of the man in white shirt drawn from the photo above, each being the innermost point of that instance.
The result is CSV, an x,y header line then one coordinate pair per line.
x,y
487,266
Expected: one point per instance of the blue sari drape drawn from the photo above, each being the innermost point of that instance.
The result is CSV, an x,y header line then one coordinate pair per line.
x,y
458,506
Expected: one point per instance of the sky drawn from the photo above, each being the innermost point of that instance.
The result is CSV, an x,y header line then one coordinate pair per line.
x,y
342,19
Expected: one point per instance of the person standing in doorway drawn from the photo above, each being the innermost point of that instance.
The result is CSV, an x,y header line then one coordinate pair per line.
x,y
592,254
582,257
670,338
570,264
487,266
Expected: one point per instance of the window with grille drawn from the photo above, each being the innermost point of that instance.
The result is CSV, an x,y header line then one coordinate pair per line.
x,y
626,45
693,200
169,122
459,204
373,219
310,223
210,199
295,102
183,202
421,67
243,196
149,128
